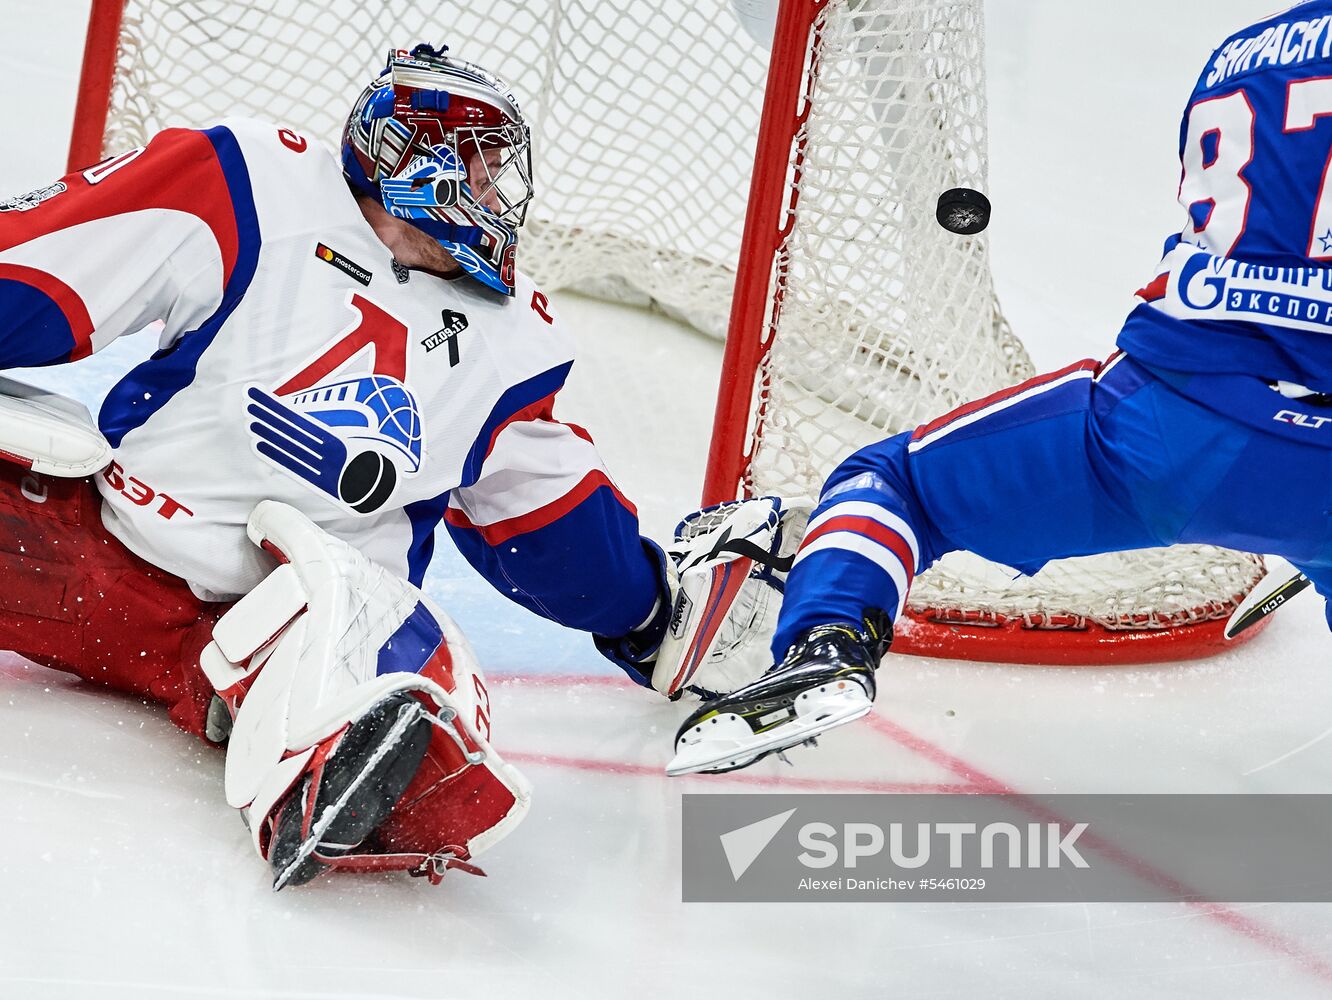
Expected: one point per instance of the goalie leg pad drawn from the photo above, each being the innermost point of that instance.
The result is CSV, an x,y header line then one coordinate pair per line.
x,y
332,662
348,792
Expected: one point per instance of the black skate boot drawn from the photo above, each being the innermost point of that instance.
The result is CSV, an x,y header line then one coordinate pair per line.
x,y
826,681
338,805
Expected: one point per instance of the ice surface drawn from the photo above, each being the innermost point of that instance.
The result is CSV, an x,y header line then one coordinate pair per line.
x,y
124,874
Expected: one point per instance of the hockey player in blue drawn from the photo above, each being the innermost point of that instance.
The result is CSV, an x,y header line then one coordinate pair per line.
x,y
1218,400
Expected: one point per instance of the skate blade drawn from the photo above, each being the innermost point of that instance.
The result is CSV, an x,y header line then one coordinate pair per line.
x,y
726,742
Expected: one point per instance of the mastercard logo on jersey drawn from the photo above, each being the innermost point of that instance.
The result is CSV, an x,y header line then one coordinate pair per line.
x,y
344,264
346,422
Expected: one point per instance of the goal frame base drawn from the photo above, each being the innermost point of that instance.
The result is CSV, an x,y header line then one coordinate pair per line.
x,y
1093,646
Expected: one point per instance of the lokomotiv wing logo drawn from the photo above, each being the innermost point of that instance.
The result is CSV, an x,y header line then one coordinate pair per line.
x,y
350,434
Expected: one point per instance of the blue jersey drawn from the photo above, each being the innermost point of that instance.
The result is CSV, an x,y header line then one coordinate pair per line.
x,y
1246,286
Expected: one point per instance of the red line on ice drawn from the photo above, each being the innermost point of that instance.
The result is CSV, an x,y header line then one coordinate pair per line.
x,y
737,777
974,780
564,680
986,784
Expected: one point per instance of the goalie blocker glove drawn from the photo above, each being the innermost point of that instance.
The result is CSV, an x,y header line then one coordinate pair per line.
x,y
826,680
725,572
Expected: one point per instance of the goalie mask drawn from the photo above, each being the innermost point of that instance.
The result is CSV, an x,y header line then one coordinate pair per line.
x,y
442,144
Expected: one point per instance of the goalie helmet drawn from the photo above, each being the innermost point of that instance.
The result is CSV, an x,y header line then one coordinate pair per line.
x,y
443,145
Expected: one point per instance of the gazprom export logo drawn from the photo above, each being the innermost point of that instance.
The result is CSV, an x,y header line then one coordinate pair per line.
x,y
1218,288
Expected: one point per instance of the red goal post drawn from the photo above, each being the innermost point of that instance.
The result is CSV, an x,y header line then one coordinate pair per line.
x,y
96,77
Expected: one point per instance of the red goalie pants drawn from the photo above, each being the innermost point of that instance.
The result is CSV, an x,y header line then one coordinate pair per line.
x,y
74,598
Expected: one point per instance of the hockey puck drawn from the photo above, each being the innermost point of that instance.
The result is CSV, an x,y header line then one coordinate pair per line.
x,y
367,482
963,211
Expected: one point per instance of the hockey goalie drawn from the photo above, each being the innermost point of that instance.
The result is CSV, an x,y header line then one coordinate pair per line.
x,y
348,356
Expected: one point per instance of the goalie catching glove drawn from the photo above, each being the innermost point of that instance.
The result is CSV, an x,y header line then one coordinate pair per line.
x,y
725,571
356,716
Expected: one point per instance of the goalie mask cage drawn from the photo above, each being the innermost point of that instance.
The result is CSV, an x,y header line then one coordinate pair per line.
x,y
852,315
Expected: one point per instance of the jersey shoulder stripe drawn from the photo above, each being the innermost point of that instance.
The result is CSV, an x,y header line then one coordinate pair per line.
x,y
60,300
517,403
150,386
181,170
51,311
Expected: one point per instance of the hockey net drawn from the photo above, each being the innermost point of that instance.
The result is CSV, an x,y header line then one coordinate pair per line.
x,y
855,315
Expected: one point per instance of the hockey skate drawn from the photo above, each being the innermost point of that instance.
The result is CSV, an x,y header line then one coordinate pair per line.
x,y
826,681
339,804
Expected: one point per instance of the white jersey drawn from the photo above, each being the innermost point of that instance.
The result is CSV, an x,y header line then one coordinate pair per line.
x,y
298,361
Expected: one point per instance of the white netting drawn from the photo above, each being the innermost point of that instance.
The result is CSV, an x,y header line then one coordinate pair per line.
x,y
645,117
644,114
888,320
